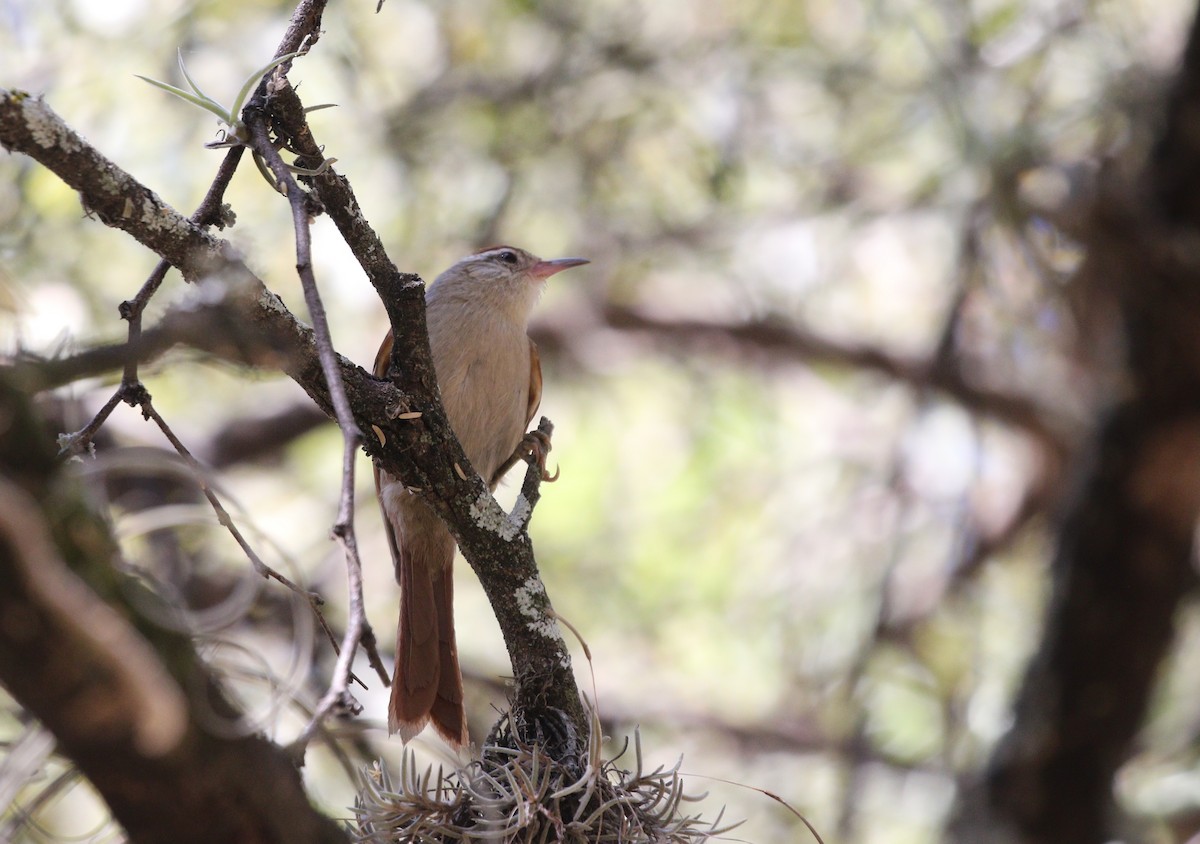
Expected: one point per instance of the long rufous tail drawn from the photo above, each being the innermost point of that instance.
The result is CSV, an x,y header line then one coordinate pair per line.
x,y
427,684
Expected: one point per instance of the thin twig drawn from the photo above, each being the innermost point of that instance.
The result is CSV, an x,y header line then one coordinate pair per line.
x,y
81,440
531,487
141,398
343,528
131,311
144,402
208,212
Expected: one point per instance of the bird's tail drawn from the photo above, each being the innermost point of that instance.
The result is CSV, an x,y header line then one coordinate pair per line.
x,y
427,684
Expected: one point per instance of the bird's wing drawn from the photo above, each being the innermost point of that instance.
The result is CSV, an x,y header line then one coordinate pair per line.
x,y
535,383
384,356
382,361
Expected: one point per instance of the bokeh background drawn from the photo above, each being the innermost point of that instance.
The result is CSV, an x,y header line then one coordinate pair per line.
x,y
811,396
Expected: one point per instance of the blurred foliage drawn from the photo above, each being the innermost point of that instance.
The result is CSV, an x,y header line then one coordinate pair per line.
x,y
771,563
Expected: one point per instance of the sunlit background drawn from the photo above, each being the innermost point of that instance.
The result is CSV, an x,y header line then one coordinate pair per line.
x,y
798,563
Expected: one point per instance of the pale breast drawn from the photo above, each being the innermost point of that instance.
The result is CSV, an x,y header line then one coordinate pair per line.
x,y
483,373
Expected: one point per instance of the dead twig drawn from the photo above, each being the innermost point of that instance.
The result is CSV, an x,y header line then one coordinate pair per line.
x,y
357,626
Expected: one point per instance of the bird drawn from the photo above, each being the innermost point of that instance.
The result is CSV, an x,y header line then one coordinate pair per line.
x,y
490,379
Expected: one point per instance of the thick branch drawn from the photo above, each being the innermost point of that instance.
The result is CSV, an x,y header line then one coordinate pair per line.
x,y
357,627
211,322
776,340
1124,559
261,437
115,692
28,125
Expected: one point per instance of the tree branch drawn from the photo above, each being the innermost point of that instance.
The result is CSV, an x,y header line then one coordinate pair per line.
x,y
357,627
775,340
1124,559
76,652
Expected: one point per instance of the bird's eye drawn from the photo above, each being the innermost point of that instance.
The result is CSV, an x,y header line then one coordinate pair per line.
x,y
508,256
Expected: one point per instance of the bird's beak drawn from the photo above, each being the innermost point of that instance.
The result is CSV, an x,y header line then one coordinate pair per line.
x,y
545,269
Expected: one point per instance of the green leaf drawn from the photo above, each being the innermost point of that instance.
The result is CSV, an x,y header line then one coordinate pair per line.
x,y
266,173
203,102
254,78
191,82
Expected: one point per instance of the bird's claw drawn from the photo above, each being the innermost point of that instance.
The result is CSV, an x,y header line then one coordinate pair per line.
x,y
536,446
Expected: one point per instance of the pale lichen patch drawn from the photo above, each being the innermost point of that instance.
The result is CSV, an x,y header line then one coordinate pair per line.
x,y
154,215
41,129
109,183
45,128
269,301
520,511
491,517
531,598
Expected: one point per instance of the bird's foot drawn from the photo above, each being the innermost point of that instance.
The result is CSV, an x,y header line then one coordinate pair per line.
x,y
535,448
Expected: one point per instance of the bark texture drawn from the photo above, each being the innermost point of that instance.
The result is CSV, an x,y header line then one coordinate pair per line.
x,y
1124,557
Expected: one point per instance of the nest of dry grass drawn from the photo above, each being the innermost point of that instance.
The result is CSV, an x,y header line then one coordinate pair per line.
x,y
517,792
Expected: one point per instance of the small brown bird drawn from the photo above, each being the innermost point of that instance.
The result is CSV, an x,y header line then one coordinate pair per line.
x,y
491,383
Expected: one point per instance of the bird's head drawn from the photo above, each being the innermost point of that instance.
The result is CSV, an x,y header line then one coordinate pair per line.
x,y
504,278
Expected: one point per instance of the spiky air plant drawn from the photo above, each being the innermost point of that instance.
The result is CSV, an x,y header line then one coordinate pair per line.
x,y
517,794
235,133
